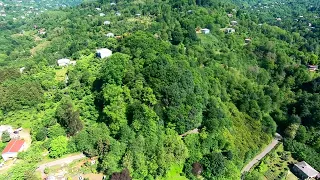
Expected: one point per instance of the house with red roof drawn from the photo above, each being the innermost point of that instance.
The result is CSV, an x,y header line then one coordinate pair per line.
x,y
12,149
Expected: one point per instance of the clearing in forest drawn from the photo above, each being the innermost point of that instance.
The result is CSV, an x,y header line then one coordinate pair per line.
x,y
39,47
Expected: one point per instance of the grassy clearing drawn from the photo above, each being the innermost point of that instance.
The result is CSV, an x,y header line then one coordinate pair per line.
x,y
39,47
174,173
61,74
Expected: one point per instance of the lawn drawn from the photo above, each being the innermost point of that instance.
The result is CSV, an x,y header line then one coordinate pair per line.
x,y
61,74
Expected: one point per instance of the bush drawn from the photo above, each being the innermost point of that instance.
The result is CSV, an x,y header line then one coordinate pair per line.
x,y
5,137
42,134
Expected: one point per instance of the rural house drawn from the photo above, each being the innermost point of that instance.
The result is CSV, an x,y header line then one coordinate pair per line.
x,y
234,23
305,171
12,149
103,53
205,31
63,62
313,68
110,35
230,30
106,22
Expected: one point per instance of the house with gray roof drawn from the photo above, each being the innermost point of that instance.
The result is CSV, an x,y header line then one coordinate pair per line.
x,y
305,171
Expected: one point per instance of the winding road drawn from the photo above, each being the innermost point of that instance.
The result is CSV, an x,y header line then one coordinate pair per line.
x,y
265,151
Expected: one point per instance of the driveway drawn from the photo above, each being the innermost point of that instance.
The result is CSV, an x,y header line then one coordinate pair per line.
x,y
62,161
265,151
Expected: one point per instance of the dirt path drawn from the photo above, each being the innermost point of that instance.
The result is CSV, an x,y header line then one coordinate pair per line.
x,y
62,161
194,131
266,150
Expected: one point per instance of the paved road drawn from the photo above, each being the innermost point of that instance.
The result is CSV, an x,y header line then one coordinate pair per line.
x,y
63,161
266,150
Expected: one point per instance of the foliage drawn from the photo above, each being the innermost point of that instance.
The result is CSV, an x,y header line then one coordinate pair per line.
x,y
5,137
68,117
58,147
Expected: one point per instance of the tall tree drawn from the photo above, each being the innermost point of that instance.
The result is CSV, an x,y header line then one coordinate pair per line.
x,y
68,117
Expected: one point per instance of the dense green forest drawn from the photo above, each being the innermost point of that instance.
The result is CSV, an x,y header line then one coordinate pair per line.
x,y
162,80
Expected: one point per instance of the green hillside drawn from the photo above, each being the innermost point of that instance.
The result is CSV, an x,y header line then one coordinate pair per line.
x,y
164,79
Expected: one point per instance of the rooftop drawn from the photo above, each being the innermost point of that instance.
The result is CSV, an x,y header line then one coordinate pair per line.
x,y
13,146
307,169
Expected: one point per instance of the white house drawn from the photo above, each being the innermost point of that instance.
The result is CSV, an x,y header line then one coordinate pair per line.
x,y
110,35
106,22
230,30
63,62
118,14
103,53
22,69
12,149
102,14
113,4
205,31
234,23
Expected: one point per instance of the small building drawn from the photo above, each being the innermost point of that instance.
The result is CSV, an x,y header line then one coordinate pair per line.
x,y
42,31
22,69
103,53
110,35
113,4
230,30
313,68
12,149
106,22
278,19
205,31
234,23
247,40
305,171
138,15
63,62
230,15
118,14
102,14
98,9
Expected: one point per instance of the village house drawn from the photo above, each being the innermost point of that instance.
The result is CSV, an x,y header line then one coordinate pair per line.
x,y
106,22
205,31
113,4
103,53
98,9
118,14
230,30
110,35
22,69
42,31
234,23
12,149
230,15
63,62
247,40
313,68
102,14
304,171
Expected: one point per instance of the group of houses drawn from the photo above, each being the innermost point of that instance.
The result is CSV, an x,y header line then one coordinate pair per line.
x,y
15,145
100,53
